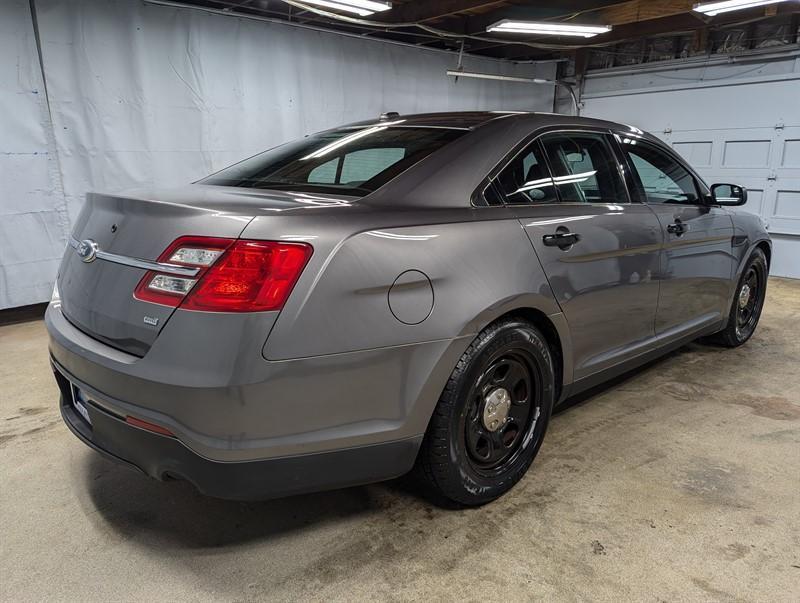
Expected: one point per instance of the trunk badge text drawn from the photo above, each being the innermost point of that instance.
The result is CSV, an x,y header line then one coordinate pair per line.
x,y
87,250
149,320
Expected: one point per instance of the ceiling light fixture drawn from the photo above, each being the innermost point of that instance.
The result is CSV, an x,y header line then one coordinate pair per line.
x,y
715,8
360,7
548,28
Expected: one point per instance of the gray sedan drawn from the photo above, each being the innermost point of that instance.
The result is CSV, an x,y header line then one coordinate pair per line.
x,y
412,292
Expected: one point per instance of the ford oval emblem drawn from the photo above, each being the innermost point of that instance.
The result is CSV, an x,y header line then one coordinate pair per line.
x,y
87,250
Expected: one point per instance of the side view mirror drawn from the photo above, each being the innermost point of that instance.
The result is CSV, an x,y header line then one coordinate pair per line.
x,y
728,194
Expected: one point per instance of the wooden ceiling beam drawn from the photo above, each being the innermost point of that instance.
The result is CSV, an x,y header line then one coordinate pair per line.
x,y
636,11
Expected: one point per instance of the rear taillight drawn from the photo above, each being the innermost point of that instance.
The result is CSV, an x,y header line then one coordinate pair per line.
x,y
234,275
251,276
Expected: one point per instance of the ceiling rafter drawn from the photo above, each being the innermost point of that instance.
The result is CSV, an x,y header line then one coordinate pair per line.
x,y
631,20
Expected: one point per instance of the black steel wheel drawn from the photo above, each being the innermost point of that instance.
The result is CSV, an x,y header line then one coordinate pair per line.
x,y
502,408
491,419
748,302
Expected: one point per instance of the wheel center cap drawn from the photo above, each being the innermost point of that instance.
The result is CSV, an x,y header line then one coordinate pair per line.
x,y
495,408
744,296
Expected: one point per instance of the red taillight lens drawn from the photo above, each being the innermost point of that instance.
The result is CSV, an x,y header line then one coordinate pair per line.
x,y
234,276
252,276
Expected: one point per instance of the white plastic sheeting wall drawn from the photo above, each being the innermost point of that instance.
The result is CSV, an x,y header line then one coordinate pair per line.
x,y
33,217
142,94
735,121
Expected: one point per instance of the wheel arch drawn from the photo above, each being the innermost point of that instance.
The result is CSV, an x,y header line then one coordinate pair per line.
x,y
553,327
551,333
765,246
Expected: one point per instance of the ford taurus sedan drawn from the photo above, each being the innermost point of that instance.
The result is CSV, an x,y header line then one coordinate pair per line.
x,y
412,292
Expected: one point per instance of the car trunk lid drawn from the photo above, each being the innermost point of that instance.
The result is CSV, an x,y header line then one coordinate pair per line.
x,y
98,296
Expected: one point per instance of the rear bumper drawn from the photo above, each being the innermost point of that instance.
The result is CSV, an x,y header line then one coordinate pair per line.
x,y
165,457
226,403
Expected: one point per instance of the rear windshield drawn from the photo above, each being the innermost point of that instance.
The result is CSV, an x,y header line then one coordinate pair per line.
x,y
347,161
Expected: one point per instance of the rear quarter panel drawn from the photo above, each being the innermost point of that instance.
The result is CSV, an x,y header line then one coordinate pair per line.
x,y
479,264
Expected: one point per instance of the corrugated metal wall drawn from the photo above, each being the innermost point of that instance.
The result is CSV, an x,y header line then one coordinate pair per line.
x,y
142,94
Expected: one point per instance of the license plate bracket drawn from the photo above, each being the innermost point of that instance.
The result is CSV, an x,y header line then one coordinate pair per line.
x,y
79,403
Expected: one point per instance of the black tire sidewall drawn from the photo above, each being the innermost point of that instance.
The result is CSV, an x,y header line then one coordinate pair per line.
x,y
478,487
759,260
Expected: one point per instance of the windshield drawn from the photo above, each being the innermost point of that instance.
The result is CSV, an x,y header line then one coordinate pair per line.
x,y
346,161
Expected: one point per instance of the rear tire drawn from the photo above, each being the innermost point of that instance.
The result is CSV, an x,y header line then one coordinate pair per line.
x,y
492,416
747,304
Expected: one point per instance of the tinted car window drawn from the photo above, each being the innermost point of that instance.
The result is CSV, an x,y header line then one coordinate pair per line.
x,y
325,173
662,178
346,161
360,166
526,179
584,168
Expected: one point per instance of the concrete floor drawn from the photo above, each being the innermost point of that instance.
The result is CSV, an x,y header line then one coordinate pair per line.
x,y
681,482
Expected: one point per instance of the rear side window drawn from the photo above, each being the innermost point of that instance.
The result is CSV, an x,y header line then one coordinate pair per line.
x,y
346,161
526,179
661,178
584,168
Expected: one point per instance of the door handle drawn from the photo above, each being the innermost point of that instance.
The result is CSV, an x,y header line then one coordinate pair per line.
x,y
677,228
562,240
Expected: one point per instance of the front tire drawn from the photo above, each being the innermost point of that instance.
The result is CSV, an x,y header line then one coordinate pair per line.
x,y
747,303
492,416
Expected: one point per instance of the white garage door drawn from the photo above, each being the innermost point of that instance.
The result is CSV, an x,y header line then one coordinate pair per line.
x,y
742,132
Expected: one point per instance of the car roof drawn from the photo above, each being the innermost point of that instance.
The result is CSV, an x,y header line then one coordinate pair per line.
x,y
465,120
470,120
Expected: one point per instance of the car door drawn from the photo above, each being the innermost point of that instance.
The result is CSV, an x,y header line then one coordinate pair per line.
x,y
600,252
697,262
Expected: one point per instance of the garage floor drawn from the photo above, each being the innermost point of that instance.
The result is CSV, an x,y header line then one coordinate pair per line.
x,y
679,482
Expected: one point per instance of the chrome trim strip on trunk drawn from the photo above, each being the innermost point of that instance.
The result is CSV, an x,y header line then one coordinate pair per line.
x,y
124,260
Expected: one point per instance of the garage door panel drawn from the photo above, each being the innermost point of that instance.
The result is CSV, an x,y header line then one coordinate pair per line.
x,y
746,153
790,158
785,216
787,205
784,256
787,161
755,201
697,152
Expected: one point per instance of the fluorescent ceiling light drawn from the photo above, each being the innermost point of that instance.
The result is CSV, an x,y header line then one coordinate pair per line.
x,y
715,8
548,28
360,7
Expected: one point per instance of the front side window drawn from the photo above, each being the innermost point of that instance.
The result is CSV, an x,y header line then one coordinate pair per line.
x,y
662,179
526,179
584,168
346,161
